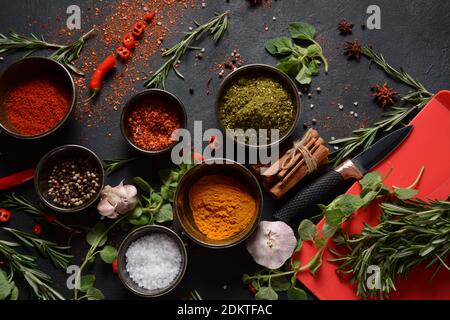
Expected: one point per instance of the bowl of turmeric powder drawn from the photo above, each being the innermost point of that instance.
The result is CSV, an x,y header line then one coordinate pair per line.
x,y
218,203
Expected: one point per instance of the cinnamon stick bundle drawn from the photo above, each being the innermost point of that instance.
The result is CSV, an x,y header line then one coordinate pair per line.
x,y
305,156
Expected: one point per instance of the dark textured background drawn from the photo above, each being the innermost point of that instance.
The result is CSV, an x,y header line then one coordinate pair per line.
x,y
414,35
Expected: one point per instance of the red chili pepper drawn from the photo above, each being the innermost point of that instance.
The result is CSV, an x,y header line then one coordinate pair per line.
x,y
50,217
37,229
5,215
115,266
16,179
138,29
123,53
95,85
128,41
150,16
252,289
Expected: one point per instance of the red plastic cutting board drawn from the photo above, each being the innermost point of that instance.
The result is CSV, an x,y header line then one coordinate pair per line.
x,y
429,146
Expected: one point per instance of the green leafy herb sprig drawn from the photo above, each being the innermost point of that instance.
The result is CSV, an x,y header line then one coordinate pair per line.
x,y
25,266
217,27
112,165
301,63
57,254
20,204
411,232
363,138
64,54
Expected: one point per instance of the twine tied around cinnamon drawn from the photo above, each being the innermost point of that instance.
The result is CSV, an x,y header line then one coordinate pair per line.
x,y
300,147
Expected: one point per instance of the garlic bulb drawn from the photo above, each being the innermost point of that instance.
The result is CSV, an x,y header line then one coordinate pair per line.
x,y
272,244
117,200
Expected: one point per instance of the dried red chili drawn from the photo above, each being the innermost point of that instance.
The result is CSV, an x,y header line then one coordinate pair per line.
x,y
252,289
128,41
152,123
37,229
123,53
16,179
5,215
36,106
149,16
115,266
138,29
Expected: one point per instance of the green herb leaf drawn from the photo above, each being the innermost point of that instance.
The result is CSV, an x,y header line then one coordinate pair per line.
x,y
266,293
296,294
164,214
295,263
143,185
281,45
334,217
307,230
289,65
141,221
369,197
95,294
371,181
405,194
302,31
328,231
108,254
86,282
14,293
245,278
304,75
96,235
5,286
137,212
315,263
346,203
280,284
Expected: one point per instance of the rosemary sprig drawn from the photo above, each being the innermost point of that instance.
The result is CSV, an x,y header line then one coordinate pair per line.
x,y
26,266
194,295
112,165
64,54
217,27
410,233
20,204
57,254
363,138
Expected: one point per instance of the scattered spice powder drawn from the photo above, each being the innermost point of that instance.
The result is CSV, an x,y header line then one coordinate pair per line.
x,y
152,124
36,106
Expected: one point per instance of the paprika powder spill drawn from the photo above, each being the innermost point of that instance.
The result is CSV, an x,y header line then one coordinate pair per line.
x,y
152,123
36,106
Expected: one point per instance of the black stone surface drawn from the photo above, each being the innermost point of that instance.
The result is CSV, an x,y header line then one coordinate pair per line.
x,y
414,35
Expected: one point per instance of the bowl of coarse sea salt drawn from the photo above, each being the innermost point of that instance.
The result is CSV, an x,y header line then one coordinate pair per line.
x,y
152,261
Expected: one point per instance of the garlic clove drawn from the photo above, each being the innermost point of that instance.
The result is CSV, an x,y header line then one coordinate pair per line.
x,y
130,190
105,208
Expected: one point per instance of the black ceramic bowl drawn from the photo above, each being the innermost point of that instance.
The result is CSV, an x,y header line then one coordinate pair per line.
x,y
122,261
255,70
225,167
30,68
151,94
57,156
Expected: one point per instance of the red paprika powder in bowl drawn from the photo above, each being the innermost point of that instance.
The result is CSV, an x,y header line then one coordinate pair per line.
x,y
37,95
150,118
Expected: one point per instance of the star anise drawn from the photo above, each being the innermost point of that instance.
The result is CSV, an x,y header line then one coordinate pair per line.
x,y
384,95
345,27
353,50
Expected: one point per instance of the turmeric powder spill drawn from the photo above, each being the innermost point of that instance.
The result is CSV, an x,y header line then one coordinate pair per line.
x,y
221,206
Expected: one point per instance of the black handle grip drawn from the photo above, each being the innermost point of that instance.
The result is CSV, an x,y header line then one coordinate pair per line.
x,y
309,196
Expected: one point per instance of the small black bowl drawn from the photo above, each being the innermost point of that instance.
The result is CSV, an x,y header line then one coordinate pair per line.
x,y
122,261
29,68
151,94
254,70
57,156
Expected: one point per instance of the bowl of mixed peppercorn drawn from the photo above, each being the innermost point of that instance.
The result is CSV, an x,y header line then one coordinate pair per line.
x,y
150,119
69,178
255,99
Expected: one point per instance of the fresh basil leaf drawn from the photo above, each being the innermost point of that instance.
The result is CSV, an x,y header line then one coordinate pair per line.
x,y
346,203
405,194
164,214
266,293
280,284
307,230
281,45
369,197
165,192
155,198
334,217
108,254
313,67
296,294
87,282
328,231
5,286
302,31
136,213
142,184
141,221
304,76
320,243
313,50
95,294
372,181
289,65
95,234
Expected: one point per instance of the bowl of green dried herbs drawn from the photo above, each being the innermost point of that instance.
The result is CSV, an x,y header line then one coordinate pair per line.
x,y
258,105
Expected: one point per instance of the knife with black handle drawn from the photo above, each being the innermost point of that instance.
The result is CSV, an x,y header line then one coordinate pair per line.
x,y
314,193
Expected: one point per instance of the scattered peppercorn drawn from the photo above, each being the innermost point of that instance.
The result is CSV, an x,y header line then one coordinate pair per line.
x,y
73,183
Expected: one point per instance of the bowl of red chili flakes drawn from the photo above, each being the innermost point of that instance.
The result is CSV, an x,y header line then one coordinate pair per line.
x,y
150,119
37,96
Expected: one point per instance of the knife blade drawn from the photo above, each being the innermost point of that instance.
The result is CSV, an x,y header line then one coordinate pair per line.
x,y
355,168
